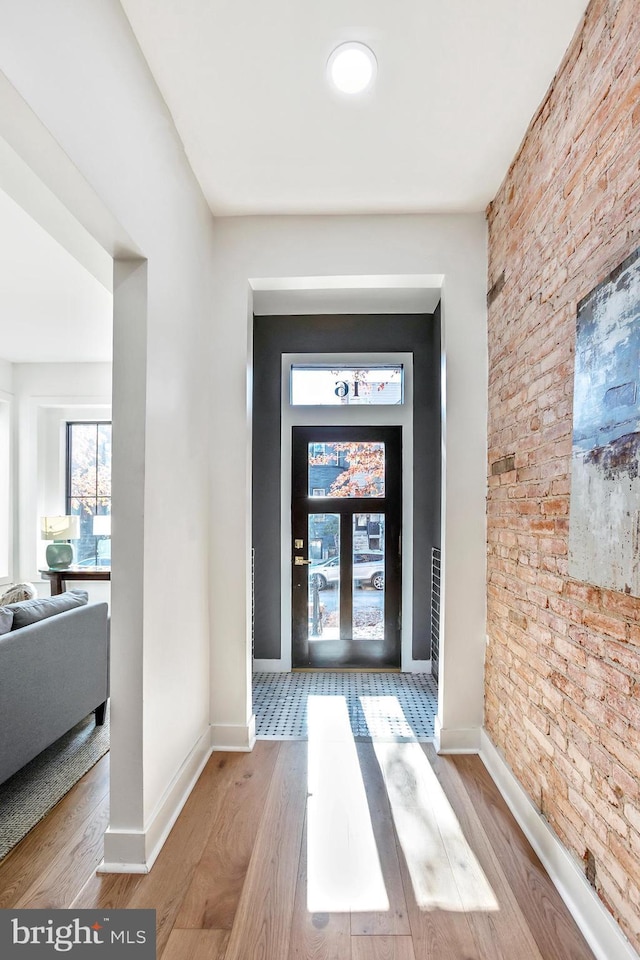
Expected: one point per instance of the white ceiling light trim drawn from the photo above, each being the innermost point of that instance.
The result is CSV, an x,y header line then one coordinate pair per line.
x,y
352,68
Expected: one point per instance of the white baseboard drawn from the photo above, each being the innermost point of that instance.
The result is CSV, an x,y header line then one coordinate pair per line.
x,y
111,867
272,666
124,852
416,666
234,736
600,930
135,851
284,666
456,739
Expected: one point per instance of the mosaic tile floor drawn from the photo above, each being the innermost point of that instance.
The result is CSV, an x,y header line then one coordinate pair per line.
x,y
390,706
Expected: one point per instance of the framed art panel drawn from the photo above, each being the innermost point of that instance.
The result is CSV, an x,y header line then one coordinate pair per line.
x,y
604,519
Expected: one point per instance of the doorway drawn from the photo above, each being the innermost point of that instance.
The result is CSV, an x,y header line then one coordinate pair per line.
x,y
347,546
280,343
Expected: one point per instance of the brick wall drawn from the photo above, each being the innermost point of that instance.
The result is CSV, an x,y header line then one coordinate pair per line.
x,y
563,661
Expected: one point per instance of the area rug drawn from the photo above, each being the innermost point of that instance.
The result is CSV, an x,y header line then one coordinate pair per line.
x,y
29,795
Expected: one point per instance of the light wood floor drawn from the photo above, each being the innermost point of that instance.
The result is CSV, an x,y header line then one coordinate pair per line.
x,y
431,866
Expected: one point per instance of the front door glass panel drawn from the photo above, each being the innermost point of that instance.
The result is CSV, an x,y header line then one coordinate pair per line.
x,y
346,469
368,576
324,578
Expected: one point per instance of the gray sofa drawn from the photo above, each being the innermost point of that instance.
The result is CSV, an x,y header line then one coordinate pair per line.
x,y
53,673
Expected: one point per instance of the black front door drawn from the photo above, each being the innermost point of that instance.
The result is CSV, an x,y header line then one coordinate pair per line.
x,y
346,523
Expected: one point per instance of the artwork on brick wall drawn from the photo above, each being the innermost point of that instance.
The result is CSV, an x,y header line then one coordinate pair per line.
x,y
604,519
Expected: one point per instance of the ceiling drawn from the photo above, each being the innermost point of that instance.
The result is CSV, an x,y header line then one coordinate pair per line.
x,y
457,84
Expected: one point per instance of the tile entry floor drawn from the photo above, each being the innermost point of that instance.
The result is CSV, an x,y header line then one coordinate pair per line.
x,y
390,706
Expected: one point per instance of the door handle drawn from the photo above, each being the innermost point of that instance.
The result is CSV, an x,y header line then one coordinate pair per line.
x,y
300,561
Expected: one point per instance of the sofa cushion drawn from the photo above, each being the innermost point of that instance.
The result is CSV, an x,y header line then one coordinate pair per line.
x,y
31,611
6,620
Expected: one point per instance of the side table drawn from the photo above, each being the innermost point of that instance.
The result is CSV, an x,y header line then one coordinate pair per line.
x,y
59,578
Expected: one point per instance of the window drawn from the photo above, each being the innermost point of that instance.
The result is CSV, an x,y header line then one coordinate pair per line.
x,y
89,489
346,469
324,385
5,487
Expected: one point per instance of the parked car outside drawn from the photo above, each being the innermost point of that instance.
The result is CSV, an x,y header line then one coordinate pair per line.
x,y
102,558
368,569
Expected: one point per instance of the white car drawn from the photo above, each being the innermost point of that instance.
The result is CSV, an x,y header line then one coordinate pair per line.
x,y
368,569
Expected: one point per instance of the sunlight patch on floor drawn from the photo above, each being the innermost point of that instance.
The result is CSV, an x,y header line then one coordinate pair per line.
x,y
343,867
444,871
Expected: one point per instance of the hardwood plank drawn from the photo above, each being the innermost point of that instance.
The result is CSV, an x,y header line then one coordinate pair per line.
x,y
439,924
344,873
395,920
164,888
503,933
321,936
443,872
55,835
439,934
382,948
110,890
196,945
262,924
60,882
551,925
212,898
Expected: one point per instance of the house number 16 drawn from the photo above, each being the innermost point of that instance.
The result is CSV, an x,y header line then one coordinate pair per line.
x,y
342,388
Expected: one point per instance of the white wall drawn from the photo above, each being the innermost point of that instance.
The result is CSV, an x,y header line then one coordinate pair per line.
x,y
6,376
79,69
272,247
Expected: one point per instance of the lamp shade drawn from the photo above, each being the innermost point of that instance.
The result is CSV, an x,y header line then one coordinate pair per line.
x,y
102,525
60,528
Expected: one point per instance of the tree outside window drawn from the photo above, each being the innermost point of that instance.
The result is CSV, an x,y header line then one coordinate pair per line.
x,y
89,487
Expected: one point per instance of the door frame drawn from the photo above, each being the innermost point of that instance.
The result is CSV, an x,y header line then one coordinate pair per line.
x,y
376,415
384,652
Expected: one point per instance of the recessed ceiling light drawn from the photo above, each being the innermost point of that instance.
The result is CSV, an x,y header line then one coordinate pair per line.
x,y
351,68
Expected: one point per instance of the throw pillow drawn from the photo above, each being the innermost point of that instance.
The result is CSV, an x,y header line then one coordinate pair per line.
x,y
6,620
31,611
17,592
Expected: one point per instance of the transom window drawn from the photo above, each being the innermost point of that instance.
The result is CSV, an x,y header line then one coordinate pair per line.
x,y
327,385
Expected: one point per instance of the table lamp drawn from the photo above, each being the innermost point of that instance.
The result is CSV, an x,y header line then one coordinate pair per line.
x,y
102,525
102,533
60,530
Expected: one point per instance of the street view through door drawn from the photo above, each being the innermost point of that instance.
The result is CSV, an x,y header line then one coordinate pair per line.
x,y
346,528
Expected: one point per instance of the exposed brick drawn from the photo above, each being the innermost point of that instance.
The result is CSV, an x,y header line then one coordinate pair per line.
x,y
563,669
632,813
504,465
518,618
623,654
552,507
606,626
621,605
583,592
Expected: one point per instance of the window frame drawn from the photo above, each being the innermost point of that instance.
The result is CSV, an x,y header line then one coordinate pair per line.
x,y
7,505
69,496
